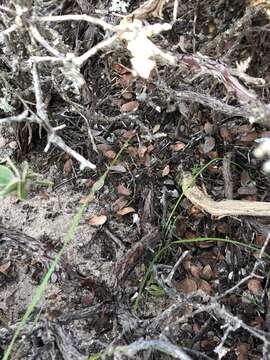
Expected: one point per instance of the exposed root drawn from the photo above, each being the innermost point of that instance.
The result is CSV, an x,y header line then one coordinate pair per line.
x,y
223,207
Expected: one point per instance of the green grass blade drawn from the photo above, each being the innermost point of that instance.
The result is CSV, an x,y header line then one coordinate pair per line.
x,y
44,283
6,176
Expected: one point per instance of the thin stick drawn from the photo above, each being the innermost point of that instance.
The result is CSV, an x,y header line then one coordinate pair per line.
x,y
81,17
53,138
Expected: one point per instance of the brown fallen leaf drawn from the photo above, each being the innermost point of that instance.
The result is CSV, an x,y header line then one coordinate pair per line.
x,y
150,148
119,68
129,134
141,151
133,151
104,147
126,81
249,137
225,134
208,128
195,271
257,323
122,190
130,106
125,211
110,154
255,286
187,264
187,286
242,351
245,128
97,220
68,166
177,146
213,154
204,286
119,203
207,272
166,171
245,178
4,267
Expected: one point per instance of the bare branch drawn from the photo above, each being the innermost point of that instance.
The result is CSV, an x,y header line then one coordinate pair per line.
x,y
209,101
81,17
8,31
36,34
19,118
161,345
53,138
101,45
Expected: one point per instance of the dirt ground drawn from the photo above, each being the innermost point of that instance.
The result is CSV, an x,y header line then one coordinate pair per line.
x,y
150,273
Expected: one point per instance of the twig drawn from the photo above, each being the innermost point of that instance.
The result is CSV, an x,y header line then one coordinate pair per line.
x,y
18,118
79,17
65,344
219,70
114,238
8,31
42,118
209,101
101,45
223,207
139,345
171,274
39,59
227,175
229,329
36,34
175,9
70,57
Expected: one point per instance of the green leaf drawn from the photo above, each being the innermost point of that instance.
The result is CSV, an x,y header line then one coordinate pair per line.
x,y
21,190
44,182
156,291
6,176
98,184
33,176
9,188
